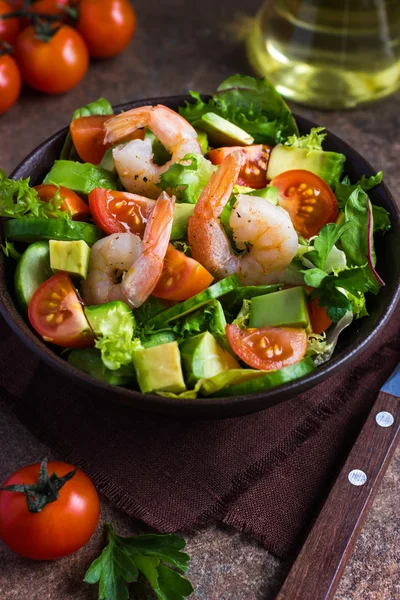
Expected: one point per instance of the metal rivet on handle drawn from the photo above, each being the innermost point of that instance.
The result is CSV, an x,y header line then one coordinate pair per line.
x,y
384,419
357,477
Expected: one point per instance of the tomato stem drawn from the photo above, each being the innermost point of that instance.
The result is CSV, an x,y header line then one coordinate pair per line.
x,y
46,490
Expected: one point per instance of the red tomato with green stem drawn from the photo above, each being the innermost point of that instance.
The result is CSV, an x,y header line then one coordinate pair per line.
x,y
50,7
72,203
309,201
62,525
254,171
56,314
268,348
10,82
106,26
54,66
117,212
181,278
9,28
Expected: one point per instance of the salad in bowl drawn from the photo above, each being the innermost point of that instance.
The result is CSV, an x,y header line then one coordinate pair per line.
x,y
209,251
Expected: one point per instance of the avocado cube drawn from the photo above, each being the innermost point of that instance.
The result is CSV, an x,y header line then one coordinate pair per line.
x,y
182,212
71,257
202,358
287,308
222,132
158,369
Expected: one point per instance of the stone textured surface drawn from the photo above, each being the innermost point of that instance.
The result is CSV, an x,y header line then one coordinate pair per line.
x,y
181,46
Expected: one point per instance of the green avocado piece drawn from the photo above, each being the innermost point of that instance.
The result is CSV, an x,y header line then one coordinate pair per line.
x,y
222,132
71,257
80,177
202,357
203,140
327,165
159,369
89,361
110,317
232,302
182,212
287,308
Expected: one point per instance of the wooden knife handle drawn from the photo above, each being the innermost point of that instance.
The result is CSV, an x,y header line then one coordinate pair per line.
x,y
317,570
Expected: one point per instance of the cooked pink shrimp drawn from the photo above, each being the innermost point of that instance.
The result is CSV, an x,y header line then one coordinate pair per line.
x,y
140,263
257,224
134,160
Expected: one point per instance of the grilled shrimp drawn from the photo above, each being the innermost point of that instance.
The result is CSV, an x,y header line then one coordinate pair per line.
x,y
265,229
134,160
122,267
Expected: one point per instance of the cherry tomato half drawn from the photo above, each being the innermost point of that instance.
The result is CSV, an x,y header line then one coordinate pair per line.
x,y
88,136
181,278
10,82
318,317
106,26
268,348
309,201
57,315
53,67
9,28
254,171
62,527
116,212
78,209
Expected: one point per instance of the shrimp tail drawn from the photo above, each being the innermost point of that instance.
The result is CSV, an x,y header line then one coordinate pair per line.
x,y
144,274
127,122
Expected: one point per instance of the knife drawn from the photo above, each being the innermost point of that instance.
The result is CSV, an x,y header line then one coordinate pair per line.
x,y
316,572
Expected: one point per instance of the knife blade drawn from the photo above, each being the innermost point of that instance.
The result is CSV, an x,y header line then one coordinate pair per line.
x,y
316,572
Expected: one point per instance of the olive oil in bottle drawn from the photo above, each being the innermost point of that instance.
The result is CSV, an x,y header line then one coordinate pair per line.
x,y
328,53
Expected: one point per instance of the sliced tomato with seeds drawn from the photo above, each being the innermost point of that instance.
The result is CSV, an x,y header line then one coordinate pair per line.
x,y
72,203
309,201
318,317
268,348
254,171
117,212
56,313
181,278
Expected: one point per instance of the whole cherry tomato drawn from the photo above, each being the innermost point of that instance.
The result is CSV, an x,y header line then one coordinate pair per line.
x,y
10,82
53,66
49,7
9,28
106,26
51,527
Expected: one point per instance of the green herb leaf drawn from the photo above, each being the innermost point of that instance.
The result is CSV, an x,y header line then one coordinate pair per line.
x,y
324,242
381,219
10,251
125,557
344,189
18,200
312,141
187,178
252,104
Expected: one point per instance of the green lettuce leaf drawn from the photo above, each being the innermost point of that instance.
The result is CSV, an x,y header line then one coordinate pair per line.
x,y
324,243
344,189
18,200
98,107
187,178
252,104
125,558
10,251
381,219
312,141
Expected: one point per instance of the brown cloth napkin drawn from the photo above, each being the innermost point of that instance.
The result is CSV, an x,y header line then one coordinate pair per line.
x,y
265,473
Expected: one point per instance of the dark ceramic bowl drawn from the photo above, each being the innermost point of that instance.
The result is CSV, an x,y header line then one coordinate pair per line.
x,y
351,343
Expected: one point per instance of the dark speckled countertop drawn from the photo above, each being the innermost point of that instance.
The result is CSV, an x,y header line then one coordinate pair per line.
x,y
180,46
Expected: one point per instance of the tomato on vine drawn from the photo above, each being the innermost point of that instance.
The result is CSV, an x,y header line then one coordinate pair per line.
x,y
10,82
9,28
106,26
54,62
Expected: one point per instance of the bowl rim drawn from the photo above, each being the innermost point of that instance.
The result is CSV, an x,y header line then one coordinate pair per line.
x,y
209,407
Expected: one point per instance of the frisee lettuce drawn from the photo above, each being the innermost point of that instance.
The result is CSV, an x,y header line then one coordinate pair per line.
x,y
187,178
252,104
311,141
18,200
124,559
